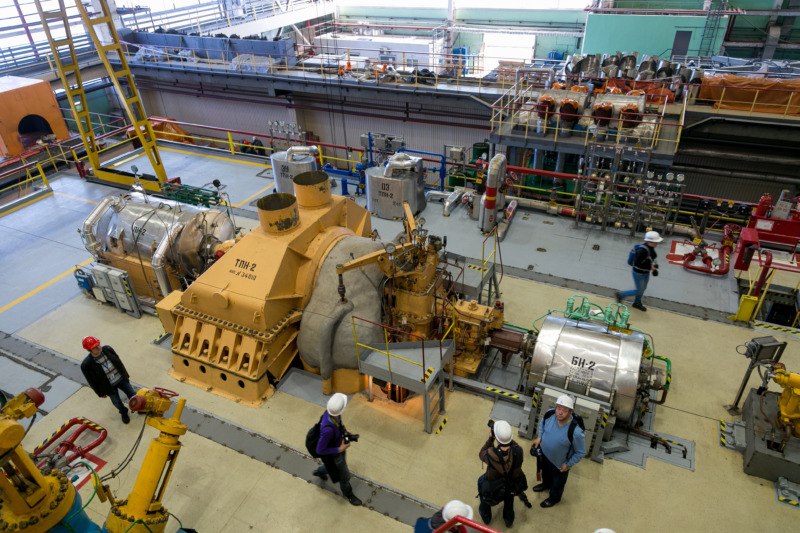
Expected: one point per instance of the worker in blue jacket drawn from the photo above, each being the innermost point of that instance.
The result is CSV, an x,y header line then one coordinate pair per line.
x,y
642,260
332,445
559,452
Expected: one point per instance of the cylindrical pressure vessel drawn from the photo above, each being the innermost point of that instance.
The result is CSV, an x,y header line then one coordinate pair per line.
x,y
590,360
285,168
134,225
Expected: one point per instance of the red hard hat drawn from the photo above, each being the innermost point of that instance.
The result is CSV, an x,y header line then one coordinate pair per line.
x,y
90,342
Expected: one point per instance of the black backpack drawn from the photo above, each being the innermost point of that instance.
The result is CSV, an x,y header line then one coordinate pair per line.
x,y
577,420
312,438
494,492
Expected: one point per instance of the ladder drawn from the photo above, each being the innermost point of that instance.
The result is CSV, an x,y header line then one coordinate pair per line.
x,y
711,28
55,22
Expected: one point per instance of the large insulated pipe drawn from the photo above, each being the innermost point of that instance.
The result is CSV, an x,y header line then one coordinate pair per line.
x,y
436,195
453,200
159,258
400,160
326,338
89,240
497,172
302,150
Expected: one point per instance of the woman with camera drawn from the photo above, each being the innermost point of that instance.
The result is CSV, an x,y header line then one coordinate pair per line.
x,y
332,445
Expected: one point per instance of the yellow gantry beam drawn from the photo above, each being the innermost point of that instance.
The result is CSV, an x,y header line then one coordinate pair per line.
x,y
56,22
129,96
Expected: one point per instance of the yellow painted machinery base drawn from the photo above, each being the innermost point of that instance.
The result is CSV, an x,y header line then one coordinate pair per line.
x,y
45,514
261,392
119,521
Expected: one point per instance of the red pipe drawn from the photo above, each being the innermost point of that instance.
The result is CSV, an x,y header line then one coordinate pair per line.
x,y
764,273
708,266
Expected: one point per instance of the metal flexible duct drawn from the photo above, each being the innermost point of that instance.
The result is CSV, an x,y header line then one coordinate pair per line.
x,y
91,221
398,161
301,150
454,199
159,262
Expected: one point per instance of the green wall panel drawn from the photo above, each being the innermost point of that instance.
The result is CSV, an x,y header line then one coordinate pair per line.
x,y
651,35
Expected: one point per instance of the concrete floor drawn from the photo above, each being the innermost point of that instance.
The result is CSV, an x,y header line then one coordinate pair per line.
x,y
215,488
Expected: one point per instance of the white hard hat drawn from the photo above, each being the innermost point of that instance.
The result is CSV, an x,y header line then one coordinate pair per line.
x,y
456,508
502,432
336,404
604,530
652,236
566,401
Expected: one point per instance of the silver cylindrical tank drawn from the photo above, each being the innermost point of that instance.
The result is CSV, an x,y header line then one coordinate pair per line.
x,y
588,359
135,225
402,180
285,166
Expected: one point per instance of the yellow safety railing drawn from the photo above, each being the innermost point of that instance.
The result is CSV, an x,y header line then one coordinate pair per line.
x,y
390,331
35,181
387,352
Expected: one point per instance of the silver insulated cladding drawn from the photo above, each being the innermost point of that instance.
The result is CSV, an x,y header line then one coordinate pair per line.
x,y
589,359
402,180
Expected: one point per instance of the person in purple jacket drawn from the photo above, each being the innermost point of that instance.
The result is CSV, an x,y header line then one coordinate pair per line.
x,y
333,443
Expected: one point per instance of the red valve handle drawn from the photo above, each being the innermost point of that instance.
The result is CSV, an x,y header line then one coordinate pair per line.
x,y
165,393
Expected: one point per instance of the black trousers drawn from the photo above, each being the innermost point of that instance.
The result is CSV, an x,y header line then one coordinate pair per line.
x,y
553,478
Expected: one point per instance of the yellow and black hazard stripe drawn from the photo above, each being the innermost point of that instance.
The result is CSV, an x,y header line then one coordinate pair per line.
x,y
776,328
160,338
441,426
535,399
90,424
790,502
473,267
722,427
604,421
502,393
427,374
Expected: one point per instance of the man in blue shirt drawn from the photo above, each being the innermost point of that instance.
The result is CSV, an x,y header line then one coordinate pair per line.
x,y
558,453
332,447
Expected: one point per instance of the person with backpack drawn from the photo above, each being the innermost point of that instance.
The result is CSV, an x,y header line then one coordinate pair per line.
x,y
562,444
504,478
642,259
331,447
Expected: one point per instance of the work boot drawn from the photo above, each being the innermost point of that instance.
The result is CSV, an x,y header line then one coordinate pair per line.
x,y
321,474
353,499
618,295
640,307
125,417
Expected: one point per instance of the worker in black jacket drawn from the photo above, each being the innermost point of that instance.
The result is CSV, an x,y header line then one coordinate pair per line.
x,y
504,478
642,259
106,374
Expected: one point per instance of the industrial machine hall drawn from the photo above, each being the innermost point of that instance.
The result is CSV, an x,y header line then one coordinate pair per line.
x,y
331,265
